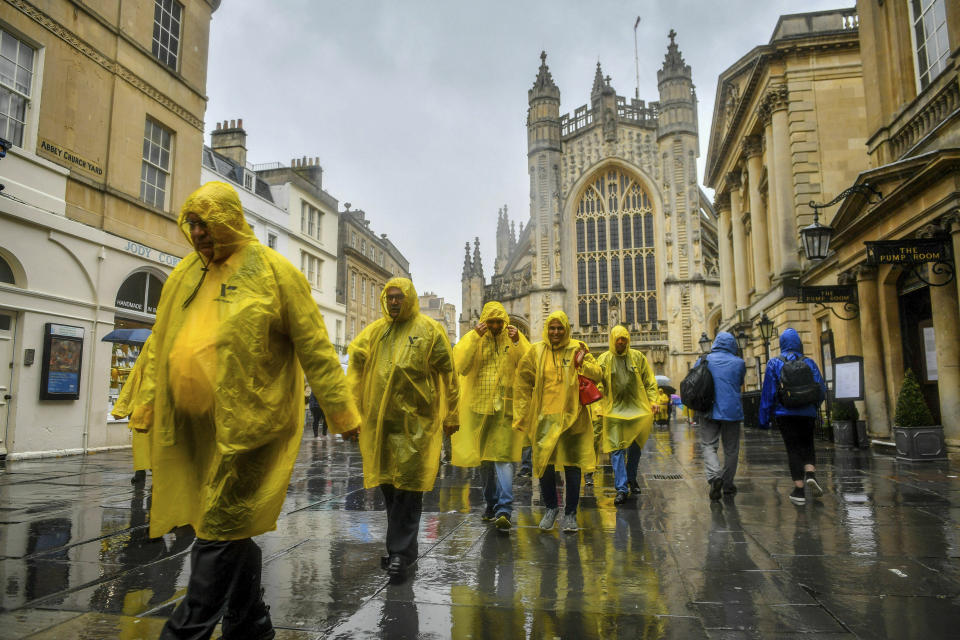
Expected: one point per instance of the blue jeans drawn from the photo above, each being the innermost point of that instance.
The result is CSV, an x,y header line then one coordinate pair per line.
x,y
497,480
526,461
618,460
633,460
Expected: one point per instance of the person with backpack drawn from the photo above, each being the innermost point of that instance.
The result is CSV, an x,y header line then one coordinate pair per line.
x,y
792,391
721,420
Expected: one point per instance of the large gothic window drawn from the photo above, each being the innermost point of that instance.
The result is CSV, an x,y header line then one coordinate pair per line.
x,y
615,251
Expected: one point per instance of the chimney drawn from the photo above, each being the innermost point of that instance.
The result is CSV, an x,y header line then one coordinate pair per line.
x,y
310,170
230,140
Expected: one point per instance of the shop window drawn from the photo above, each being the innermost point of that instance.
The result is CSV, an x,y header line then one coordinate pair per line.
x,y
167,15
16,80
140,292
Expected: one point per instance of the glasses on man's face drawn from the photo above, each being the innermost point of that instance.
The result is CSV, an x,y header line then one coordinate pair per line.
x,y
196,223
397,298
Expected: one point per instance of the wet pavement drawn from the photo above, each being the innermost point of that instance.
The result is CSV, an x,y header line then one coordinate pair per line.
x,y
877,557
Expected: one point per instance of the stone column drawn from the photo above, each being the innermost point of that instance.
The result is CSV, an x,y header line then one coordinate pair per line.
x,y
782,164
758,215
945,302
727,285
953,224
772,217
739,240
874,381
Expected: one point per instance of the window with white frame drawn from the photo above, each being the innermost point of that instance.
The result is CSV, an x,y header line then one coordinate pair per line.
x,y
339,333
310,220
155,170
248,181
930,41
272,240
167,16
353,285
363,291
311,267
353,327
16,82
373,296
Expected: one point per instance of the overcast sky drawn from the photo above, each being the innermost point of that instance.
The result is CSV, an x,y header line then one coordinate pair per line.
x,y
417,109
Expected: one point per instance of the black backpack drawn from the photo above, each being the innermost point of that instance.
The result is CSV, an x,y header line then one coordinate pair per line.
x,y
696,390
796,387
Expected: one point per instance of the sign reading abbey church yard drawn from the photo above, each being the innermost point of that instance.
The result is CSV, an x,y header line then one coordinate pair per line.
x,y
908,251
62,155
829,294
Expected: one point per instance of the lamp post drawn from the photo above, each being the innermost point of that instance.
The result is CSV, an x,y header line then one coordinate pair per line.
x,y
704,343
765,325
742,342
816,236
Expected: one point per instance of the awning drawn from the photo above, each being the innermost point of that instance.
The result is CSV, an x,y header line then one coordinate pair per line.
x,y
127,336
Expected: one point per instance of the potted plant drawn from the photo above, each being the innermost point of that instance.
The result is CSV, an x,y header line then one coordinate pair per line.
x,y
914,433
844,419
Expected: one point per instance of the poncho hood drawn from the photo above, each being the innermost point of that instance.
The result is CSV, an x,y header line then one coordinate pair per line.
x,y
411,303
618,331
218,205
790,341
725,342
494,311
565,321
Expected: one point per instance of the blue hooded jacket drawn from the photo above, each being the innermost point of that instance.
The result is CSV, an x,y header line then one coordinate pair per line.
x,y
791,348
728,371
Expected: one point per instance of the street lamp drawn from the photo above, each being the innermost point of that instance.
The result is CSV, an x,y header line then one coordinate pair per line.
x,y
742,342
704,343
816,237
765,325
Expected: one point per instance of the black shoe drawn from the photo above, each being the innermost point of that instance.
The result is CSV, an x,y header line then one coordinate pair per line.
x,y
398,570
139,477
634,487
730,491
797,497
811,481
488,514
716,488
621,498
254,624
588,480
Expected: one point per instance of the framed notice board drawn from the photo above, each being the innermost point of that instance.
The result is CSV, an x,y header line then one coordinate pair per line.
x,y
62,360
848,378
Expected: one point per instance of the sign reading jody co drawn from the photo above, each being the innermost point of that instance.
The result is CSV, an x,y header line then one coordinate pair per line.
x,y
842,293
907,251
56,152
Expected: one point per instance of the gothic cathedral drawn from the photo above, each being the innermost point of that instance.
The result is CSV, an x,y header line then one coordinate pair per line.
x,y
619,230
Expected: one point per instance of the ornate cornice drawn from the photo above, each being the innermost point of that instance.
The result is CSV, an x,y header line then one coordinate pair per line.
x,y
732,179
776,98
864,272
112,66
722,201
752,146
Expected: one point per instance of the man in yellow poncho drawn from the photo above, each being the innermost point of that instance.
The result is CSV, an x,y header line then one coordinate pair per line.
x,y
546,405
486,359
663,408
627,406
402,374
222,396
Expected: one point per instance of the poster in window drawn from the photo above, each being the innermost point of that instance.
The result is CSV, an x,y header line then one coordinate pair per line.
x,y
930,353
62,359
848,378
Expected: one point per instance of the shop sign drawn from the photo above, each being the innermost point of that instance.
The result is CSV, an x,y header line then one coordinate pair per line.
x,y
144,251
907,252
829,294
73,159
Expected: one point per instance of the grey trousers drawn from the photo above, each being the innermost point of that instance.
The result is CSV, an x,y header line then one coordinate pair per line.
x,y
711,433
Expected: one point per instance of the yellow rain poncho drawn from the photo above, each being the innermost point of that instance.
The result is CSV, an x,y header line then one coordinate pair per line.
x,y
126,404
487,365
222,388
630,388
546,402
663,407
402,375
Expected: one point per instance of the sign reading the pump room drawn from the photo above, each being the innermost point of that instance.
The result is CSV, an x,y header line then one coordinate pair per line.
x,y
907,252
830,294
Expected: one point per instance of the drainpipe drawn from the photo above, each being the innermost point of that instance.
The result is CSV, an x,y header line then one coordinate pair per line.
x,y
101,256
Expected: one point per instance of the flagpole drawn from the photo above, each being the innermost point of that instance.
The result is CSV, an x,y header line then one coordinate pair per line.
x,y
636,58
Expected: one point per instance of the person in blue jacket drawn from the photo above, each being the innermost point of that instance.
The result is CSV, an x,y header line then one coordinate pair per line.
x,y
796,424
722,422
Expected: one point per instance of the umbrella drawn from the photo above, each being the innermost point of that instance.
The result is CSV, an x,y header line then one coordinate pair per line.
x,y
663,381
127,336
667,389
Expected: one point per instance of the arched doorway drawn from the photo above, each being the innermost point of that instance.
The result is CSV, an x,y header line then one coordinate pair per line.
x,y
136,305
917,335
615,255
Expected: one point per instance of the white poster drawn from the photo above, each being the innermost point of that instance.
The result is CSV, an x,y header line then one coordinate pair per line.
x,y
930,351
847,384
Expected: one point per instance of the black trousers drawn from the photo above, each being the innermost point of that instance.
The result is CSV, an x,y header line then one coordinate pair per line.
x,y
224,579
571,482
797,432
403,521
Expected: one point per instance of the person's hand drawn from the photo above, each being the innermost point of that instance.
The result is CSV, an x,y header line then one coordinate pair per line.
x,y
655,407
353,434
450,429
513,333
481,328
579,355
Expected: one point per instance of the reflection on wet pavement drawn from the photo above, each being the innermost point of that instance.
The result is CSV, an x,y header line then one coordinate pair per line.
x,y
877,557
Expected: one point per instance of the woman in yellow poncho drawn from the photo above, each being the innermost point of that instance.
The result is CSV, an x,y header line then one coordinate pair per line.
x,y
487,358
402,374
546,405
139,436
663,408
630,395
222,397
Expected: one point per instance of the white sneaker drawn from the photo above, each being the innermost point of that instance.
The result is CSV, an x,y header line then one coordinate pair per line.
x,y
549,517
569,523
814,486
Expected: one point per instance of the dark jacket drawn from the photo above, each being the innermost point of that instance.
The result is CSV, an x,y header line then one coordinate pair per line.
x,y
791,348
728,371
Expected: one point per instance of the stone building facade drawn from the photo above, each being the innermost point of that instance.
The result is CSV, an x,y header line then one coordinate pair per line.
x,y
789,126
366,262
444,312
619,232
103,104
908,315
